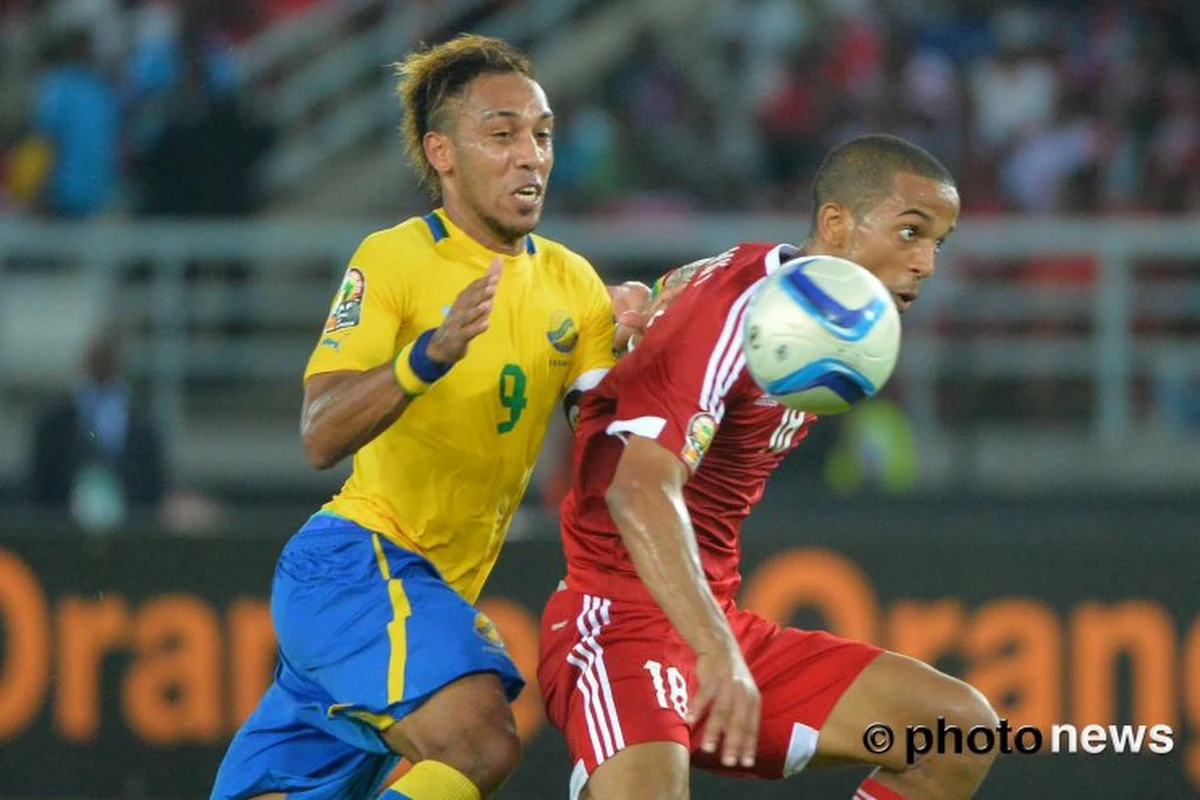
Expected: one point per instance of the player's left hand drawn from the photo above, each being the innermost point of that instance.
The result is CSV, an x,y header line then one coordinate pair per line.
x,y
630,303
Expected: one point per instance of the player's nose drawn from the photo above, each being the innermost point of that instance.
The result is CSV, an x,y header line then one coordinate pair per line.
x,y
924,264
529,152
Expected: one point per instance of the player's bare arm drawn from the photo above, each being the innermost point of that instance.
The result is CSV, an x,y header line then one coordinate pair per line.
x,y
345,410
646,502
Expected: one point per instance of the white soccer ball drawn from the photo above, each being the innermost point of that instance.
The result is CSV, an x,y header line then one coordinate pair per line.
x,y
821,334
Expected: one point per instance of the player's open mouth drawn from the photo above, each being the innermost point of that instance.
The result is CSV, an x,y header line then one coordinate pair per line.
x,y
529,193
904,300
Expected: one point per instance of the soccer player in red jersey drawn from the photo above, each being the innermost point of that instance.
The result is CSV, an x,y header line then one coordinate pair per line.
x,y
647,665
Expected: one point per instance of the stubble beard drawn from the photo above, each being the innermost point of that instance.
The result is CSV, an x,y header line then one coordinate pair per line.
x,y
507,233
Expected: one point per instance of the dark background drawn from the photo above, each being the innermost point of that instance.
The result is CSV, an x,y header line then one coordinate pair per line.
x,y
1061,555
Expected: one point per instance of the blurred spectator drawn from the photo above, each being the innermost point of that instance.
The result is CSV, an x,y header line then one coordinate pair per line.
x,y
1044,159
587,159
75,113
97,453
103,19
876,451
757,38
793,120
205,162
1014,89
174,48
202,156
26,169
648,93
1174,158
278,9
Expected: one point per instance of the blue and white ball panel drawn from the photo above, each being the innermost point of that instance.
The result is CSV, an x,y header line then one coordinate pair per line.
x,y
850,324
838,377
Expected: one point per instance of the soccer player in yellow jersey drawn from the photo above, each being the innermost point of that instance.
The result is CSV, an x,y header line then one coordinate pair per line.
x,y
451,340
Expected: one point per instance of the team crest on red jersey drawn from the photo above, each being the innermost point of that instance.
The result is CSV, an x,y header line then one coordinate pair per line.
x,y
701,429
347,306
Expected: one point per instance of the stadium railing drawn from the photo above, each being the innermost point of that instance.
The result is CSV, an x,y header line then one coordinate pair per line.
x,y
1118,345
348,81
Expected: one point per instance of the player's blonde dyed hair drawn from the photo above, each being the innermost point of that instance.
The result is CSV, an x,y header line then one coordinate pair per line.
x,y
432,77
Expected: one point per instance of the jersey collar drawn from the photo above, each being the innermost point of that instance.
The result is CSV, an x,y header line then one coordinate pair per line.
x,y
448,235
779,255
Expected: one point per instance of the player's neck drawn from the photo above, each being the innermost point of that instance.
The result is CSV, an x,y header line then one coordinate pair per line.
x,y
478,230
812,246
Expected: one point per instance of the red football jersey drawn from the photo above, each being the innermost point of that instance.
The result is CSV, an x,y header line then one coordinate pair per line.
x,y
684,385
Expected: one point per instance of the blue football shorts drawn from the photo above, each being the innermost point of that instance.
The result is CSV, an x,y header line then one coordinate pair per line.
x,y
367,632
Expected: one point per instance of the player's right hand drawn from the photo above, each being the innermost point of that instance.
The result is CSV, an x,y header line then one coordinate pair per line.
x,y
729,695
467,318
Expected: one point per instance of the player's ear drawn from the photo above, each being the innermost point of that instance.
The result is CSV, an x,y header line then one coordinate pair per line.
x,y
439,149
834,222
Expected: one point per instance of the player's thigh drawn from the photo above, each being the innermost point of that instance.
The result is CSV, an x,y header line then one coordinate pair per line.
x,y
614,676
801,676
450,681
382,634
896,691
650,771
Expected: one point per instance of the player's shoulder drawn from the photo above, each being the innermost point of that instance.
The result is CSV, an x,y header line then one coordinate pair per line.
x,y
560,258
383,254
413,232
735,269
756,259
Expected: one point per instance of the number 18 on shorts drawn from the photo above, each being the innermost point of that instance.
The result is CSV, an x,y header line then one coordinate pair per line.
x,y
614,674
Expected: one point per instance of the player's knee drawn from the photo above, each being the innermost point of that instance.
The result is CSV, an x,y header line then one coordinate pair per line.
x,y
965,707
486,751
502,755
487,757
969,707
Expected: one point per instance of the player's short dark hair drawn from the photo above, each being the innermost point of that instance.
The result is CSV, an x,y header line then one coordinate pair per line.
x,y
859,173
432,77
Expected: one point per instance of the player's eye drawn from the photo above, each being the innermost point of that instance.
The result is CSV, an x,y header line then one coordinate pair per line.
x,y
544,136
909,233
502,135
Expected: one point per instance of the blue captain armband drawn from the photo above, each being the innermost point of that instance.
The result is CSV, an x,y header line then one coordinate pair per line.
x,y
414,370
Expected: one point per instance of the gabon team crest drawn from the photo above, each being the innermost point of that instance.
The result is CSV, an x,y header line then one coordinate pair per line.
x,y
347,306
562,332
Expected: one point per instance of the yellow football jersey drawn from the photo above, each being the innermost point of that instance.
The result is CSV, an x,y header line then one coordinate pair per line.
x,y
445,479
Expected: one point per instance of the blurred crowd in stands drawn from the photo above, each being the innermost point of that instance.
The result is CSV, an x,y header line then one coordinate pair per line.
x,y
1077,106
1082,106
128,104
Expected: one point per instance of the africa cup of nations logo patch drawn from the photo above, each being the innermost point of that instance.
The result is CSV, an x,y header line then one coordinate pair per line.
x,y
701,429
347,306
562,333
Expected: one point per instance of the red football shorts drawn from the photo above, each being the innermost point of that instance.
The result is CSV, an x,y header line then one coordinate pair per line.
x,y
615,674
